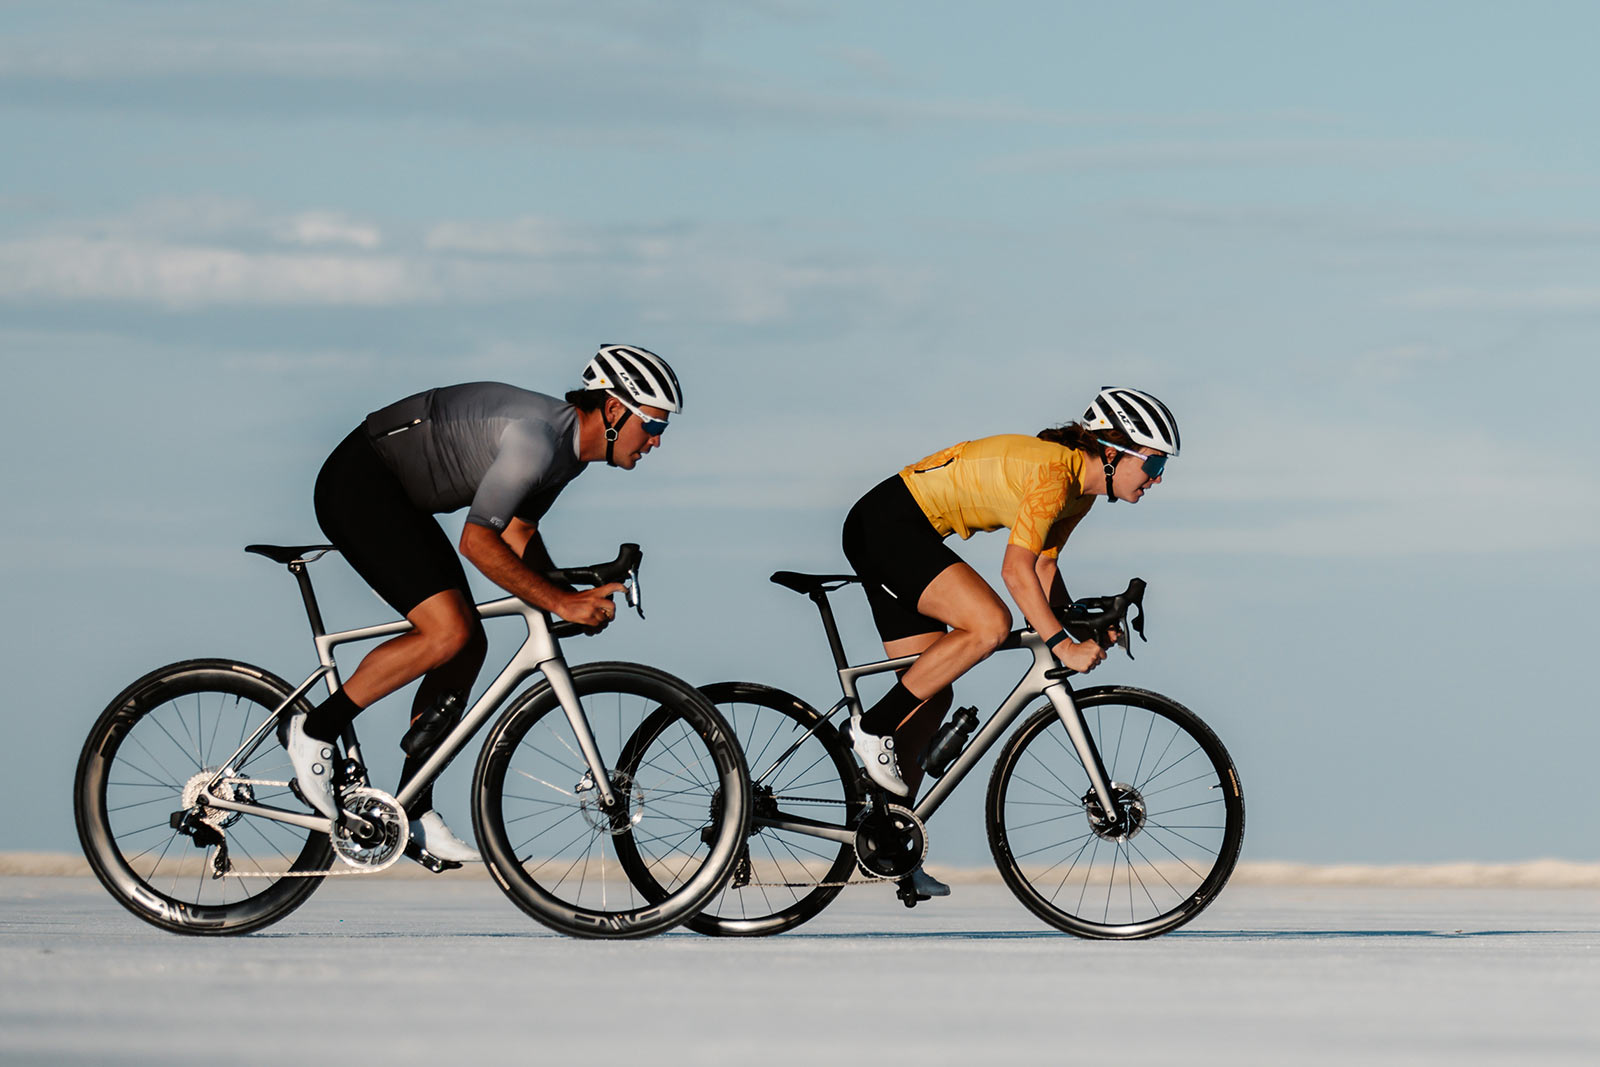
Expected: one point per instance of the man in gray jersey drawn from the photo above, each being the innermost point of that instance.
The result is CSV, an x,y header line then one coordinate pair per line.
x,y
505,453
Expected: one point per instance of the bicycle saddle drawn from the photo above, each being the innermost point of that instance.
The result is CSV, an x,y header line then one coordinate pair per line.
x,y
288,553
810,584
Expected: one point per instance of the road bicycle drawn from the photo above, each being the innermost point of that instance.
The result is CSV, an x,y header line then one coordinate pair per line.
x,y
188,814
1112,812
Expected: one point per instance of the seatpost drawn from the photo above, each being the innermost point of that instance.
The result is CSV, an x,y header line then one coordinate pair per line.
x,y
313,613
829,627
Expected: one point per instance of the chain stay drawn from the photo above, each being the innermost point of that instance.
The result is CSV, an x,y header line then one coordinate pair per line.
x,y
332,872
867,880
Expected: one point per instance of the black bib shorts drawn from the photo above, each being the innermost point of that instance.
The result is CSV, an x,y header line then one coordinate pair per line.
x,y
397,548
896,552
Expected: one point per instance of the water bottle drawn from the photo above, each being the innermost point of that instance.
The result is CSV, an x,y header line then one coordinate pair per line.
x,y
949,741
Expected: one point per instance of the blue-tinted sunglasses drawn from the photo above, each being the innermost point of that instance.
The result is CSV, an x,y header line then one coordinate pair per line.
x,y
1153,465
653,427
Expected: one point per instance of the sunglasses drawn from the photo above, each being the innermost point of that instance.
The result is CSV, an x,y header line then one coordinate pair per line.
x,y
1153,465
653,427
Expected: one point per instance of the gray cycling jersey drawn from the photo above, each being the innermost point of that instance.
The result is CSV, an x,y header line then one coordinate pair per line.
x,y
506,451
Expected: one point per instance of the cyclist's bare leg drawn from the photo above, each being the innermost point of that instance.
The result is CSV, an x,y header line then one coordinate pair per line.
x,y
445,626
979,623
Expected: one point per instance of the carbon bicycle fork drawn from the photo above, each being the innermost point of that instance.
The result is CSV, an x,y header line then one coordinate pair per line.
x,y
555,672
1078,730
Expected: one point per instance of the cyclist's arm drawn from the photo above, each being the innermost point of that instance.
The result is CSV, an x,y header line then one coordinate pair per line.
x,y
1049,573
1021,572
494,555
525,540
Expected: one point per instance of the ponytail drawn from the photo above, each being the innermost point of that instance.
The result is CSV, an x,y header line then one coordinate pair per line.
x,y
1076,436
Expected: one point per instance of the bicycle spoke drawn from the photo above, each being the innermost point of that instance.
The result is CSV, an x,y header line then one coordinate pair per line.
x,y
1143,871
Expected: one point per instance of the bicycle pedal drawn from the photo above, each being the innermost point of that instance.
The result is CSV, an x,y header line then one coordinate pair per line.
x,y
908,895
433,863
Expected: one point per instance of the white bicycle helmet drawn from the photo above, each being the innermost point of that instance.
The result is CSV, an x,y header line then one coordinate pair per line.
x,y
1141,416
636,374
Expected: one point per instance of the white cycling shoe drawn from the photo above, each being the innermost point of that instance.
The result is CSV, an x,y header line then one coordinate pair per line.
x,y
876,753
437,840
313,766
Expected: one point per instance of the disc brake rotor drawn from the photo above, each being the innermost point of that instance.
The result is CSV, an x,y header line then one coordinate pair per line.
x,y
622,816
383,840
1130,813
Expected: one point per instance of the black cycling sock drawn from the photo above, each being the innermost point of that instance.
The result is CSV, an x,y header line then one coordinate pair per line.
x,y
890,711
327,720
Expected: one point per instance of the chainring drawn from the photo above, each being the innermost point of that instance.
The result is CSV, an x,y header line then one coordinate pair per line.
x,y
375,849
891,844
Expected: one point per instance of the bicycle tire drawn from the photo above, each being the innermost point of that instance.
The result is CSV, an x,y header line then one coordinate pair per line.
x,y
787,877
145,748
1042,822
550,849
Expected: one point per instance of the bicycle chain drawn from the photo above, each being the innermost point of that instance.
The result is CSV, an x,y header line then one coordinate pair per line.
x,y
872,879
328,873
333,873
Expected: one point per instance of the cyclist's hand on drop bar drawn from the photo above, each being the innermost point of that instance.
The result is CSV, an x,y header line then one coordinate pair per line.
x,y
593,608
1081,656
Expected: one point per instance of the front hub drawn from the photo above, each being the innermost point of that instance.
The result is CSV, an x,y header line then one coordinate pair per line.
x,y
621,815
1127,821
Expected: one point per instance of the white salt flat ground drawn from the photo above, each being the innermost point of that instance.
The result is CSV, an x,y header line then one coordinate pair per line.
x,y
412,971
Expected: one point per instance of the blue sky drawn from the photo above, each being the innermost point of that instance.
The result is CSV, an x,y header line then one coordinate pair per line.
x,y
1354,246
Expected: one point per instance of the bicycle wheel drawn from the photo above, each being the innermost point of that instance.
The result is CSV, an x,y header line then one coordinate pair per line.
x,y
1141,875
553,846
799,767
149,753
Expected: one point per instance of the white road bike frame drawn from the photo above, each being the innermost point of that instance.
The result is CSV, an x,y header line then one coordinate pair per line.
x,y
540,653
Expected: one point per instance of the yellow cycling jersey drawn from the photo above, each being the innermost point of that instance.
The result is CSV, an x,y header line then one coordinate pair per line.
x,y
1030,486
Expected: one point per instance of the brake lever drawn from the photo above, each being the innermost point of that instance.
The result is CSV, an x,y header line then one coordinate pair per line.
x,y
1102,636
633,591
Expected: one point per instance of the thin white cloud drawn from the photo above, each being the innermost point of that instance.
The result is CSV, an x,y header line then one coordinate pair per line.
x,y
1345,224
531,237
1307,487
537,66
1229,153
1394,363
722,275
1302,488
328,228
174,275
1584,298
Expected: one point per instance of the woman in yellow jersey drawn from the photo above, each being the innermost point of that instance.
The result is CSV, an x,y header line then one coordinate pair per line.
x,y
926,600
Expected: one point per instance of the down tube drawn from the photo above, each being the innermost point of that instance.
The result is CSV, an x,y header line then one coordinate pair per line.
x,y
992,731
